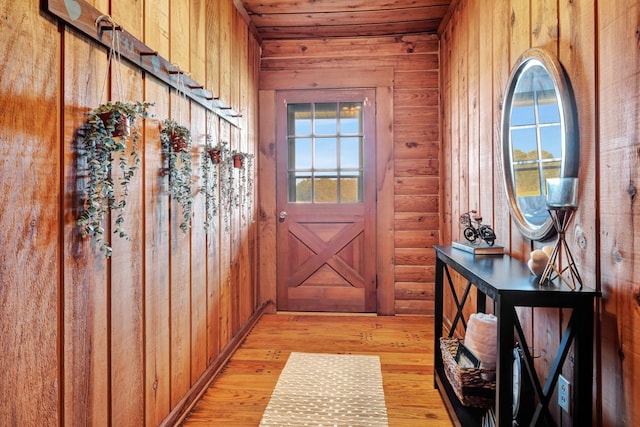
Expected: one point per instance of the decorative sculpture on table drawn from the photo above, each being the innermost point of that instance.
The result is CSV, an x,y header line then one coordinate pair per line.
x,y
562,196
474,228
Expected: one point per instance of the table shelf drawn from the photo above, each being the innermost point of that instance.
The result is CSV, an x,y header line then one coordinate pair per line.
x,y
508,282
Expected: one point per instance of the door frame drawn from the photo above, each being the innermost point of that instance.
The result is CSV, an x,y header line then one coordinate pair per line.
x,y
381,80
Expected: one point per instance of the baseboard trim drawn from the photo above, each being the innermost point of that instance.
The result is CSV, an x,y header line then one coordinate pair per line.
x,y
184,406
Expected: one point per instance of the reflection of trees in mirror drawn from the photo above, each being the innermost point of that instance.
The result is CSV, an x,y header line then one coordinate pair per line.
x,y
527,171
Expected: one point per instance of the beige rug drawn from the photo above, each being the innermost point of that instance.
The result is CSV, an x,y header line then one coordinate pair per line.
x,y
328,390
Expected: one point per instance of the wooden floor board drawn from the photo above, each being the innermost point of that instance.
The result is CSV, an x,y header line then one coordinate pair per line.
x,y
240,393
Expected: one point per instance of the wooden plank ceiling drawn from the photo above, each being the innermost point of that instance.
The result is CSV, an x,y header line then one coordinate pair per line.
x,y
303,19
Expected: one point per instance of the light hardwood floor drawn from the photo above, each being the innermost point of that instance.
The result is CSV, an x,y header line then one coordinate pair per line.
x,y
240,393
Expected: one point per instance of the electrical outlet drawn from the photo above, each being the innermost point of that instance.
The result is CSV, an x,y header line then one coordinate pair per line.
x,y
564,394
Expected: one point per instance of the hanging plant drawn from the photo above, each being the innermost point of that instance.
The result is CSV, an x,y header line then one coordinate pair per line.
x,y
249,184
176,148
210,161
237,159
227,192
104,138
244,194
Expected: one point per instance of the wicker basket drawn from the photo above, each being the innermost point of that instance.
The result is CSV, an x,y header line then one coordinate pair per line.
x,y
471,385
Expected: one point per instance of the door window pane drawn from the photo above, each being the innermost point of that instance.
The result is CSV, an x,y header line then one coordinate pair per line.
x,y
351,187
300,188
300,153
325,189
299,119
325,158
350,118
325,119
325,154
350,152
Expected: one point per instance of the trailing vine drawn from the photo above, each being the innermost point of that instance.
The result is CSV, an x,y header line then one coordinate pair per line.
x,y
249,184
104,138
210,171
176,148
227,192
243,197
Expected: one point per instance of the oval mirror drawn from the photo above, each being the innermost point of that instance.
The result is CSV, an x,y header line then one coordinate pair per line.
x,y
539,138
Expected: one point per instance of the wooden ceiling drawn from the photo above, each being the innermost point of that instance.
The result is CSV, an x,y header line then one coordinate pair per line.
x,y
303,19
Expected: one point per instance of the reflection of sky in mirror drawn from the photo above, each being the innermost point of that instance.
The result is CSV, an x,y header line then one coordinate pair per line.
x,y
525,140
522,115
535,113
523,112
549,112
550,140
534,78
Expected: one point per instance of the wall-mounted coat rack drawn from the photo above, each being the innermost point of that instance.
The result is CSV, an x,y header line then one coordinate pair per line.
x,y
83,17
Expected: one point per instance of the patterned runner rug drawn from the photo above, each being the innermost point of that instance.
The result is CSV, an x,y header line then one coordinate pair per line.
x,y
328,390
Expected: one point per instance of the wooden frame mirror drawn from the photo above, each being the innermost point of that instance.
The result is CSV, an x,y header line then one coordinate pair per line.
x,y
539,138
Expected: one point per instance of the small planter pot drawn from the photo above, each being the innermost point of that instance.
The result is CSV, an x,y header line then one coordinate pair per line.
x,y
214,155
121,127
237,161
179,144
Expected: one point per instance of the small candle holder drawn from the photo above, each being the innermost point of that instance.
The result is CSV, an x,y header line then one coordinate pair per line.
x,y
562,203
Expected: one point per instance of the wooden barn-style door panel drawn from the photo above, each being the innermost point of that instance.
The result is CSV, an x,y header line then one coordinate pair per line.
x,y
326,246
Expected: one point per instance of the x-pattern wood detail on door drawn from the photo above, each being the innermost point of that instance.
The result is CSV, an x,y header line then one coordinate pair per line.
x,y
326,252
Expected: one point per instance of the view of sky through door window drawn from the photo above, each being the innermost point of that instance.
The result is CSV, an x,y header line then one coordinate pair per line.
x,y
325,158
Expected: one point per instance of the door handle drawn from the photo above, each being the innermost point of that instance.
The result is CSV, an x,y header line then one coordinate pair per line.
x,y
283,215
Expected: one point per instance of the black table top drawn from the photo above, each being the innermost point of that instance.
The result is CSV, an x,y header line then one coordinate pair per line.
x,y
503,274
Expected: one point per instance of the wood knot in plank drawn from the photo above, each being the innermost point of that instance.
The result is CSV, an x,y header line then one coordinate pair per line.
x,y
411,144
631,190
581,238
616,256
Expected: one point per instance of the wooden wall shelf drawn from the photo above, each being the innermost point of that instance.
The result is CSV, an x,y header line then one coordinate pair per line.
x,y
82,16
509,284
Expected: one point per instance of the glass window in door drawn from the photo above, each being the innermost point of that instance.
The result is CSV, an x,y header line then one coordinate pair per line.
x,y
325,158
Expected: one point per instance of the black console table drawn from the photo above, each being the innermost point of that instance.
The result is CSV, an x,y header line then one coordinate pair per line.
x,y
509,284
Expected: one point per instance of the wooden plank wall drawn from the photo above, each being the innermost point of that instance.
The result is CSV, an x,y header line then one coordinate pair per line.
x,y
124,341
597,45
414,61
